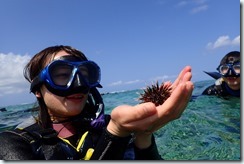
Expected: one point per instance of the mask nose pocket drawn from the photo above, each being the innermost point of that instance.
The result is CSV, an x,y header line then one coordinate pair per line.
x,y
77,81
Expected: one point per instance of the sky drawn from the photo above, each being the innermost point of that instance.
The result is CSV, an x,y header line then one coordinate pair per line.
x,y
135,42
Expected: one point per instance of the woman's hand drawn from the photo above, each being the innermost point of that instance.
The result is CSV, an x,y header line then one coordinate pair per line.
x,y
143,119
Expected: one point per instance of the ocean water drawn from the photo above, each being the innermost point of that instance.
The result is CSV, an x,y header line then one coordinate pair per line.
x,y
209,128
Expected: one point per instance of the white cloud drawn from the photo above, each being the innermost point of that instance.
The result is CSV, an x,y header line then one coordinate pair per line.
x,y
199,9
236,41
199,1
133,82
164,78
182,3
11,74
117,83
158,78
194,5
224,41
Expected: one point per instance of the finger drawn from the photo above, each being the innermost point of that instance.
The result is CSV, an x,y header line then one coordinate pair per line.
x,y
167,84
185,98
173,108
183,93
166,113
121,112
145,110
190,88
140,118
187,77
174,105
181,75
128,114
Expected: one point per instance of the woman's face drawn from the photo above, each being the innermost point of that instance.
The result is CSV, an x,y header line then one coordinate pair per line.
x,y
61,108
233,82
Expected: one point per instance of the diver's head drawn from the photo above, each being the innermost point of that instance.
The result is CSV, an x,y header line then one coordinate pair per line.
x,y
61,78
230,65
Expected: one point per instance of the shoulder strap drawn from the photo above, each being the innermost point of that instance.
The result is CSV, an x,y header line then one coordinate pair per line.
x,y
35,132
40,139
45,135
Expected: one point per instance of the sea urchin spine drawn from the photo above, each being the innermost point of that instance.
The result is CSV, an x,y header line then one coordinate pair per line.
x,y
156,94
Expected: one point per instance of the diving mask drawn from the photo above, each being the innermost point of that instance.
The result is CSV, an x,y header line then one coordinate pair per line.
x,y
230,70
67,75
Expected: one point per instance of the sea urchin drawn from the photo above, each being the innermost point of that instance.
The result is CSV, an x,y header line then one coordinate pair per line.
x,y
156,94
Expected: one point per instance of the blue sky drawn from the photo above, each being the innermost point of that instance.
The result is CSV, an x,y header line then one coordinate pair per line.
x,y
135,42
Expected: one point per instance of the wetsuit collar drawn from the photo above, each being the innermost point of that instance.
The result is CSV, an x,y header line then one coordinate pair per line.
x,y
232,92
65,129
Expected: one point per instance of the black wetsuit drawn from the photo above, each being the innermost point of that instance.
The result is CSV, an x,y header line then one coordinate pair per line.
x,y
35,143
221,89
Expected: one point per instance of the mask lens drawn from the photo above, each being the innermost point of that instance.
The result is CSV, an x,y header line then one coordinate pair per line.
x,y
65,77
90,73
61,74
237,69
223,69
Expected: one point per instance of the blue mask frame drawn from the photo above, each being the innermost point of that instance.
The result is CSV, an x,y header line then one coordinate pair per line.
x,y
230,70
80,76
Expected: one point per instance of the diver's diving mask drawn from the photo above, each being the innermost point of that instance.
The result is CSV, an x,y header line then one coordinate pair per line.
x,y
230,70
67,75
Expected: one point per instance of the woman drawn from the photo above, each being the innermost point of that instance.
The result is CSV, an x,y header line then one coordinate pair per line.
x,y
71,123
229,80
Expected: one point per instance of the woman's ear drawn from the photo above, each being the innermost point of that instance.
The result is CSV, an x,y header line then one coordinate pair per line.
x,y
38,94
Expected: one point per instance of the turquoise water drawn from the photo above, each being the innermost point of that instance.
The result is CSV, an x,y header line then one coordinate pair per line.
x,y
209,128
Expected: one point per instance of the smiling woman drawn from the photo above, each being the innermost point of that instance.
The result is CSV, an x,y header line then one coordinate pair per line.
x,y
71,122
229,81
